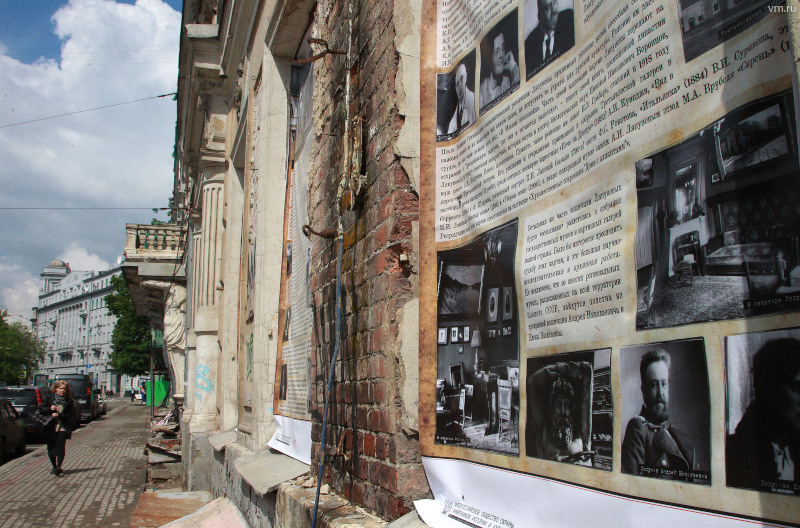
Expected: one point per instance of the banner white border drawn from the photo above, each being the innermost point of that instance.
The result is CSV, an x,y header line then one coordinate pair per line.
x,y
535,501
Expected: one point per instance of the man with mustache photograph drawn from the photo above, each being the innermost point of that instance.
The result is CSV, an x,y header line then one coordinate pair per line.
x,y
652,445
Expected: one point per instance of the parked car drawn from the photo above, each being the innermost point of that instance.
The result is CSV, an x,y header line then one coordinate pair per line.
x,y
82,390
12,430
26,399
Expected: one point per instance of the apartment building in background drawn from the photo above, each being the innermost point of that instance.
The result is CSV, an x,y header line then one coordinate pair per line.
x,y
75,324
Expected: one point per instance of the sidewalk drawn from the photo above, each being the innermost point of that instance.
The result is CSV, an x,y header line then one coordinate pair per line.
x,y
104,475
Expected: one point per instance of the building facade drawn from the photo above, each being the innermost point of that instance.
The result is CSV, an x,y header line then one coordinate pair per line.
x,y
74,322
296,222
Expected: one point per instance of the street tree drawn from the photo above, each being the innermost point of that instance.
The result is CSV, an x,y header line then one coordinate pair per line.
x,y
132,336
20,350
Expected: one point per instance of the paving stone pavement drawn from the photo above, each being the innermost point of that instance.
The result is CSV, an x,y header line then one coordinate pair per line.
x,y
105,471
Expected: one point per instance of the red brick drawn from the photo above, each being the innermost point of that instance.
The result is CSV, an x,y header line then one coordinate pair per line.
x,y
370,497
379,238
357,492
363,417
402,229
364,392
382,499
381,447
375,472
379,391
363,468
396,509
388,478
378,366
387,421
347,442
369,444
375,416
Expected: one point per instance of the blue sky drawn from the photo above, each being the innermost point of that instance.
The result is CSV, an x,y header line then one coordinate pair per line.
x,y
71,184
28,33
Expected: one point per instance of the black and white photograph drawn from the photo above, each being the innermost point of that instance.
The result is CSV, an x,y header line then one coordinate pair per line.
x,y
718,227
707,23
666,408
500,74
477,403
287,321
288,258
251,282
455,99
442,337
454,335
762,437
284,382
549,32
570,412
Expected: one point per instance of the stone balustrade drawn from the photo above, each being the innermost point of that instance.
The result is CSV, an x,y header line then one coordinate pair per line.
x,y
153,241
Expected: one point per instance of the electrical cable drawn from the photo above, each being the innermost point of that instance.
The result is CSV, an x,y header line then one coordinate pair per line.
x,y
87,110
154,209
339,251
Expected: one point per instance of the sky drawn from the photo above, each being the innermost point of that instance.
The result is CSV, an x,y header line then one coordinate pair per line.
x,y
68,185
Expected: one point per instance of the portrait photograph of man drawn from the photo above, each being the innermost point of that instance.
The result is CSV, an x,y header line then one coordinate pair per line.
x,y
455,99
762,445
549,32
499,62
570,411
665,403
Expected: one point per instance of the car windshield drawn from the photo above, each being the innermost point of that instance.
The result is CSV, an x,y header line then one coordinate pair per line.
x,y
19,396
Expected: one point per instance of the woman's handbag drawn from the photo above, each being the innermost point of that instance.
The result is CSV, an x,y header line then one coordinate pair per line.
x,y
43,419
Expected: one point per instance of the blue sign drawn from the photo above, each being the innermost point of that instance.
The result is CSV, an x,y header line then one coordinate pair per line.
x,y
88,366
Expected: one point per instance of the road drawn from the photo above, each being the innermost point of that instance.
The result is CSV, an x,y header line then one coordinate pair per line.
x,y
104,474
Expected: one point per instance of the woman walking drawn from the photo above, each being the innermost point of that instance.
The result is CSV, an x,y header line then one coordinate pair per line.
x,y
59,429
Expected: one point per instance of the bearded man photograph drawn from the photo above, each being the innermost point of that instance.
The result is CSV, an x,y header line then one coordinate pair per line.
x,y
659,442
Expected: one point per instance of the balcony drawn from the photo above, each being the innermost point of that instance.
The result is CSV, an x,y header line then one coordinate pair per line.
x,y
159,241
153,255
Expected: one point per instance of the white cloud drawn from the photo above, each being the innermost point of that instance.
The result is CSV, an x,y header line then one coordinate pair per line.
x,y
80,259
19,291
117,157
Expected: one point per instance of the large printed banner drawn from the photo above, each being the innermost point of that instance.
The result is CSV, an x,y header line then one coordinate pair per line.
x,y
293,376
611,254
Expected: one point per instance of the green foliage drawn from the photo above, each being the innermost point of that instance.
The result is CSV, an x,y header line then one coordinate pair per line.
x,y
130,340
171,206
20,349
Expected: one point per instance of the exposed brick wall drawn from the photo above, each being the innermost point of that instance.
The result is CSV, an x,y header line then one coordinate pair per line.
x,y
369,459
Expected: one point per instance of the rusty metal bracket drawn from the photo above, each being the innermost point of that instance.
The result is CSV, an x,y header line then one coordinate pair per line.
x,y
321,54
326,233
